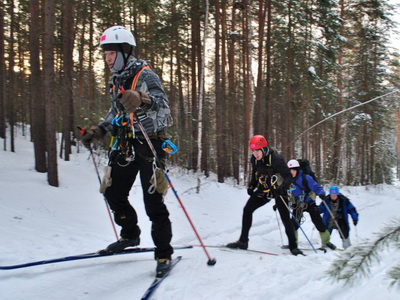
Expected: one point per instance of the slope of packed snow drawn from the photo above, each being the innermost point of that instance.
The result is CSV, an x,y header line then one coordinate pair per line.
x,y
40,222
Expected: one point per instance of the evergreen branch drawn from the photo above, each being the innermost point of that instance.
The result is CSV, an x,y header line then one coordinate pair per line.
x,y
394,275
355,263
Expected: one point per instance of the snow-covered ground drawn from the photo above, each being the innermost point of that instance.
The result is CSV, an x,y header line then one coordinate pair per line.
x,y
40,222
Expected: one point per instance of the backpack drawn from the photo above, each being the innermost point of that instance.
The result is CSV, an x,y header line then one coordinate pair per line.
x,y
307,170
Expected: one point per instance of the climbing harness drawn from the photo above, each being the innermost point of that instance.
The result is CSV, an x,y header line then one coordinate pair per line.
x,y
121,149
297,204
266,184
123,134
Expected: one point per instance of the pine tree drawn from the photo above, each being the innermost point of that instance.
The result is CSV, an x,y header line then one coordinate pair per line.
x,y
355,263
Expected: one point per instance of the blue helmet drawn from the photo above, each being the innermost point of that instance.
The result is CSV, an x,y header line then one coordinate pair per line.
x,y
334,190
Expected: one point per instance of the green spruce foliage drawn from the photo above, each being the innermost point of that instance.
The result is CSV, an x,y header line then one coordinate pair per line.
x,y
357,262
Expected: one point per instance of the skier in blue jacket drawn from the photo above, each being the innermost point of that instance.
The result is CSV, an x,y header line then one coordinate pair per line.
x,y
302,201
339,207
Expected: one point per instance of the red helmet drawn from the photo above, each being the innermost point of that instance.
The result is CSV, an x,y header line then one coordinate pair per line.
x,y
257,142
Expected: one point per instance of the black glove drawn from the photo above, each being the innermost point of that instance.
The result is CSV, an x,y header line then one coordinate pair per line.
x,y
274,207
355,222
250,192
322,196
281,190
95,132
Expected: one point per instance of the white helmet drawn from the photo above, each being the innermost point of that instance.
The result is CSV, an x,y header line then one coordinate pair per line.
x,y
293,163
117,35
121,40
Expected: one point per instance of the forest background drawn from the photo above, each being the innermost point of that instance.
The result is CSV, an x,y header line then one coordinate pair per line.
x,y
231,69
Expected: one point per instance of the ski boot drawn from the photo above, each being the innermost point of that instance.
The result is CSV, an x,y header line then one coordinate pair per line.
x,y
238,245
296,252
346,243
121,244
163,267
329,245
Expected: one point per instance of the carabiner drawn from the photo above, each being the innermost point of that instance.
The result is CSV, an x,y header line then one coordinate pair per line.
x,y
169,147
117,121
262,179
274,179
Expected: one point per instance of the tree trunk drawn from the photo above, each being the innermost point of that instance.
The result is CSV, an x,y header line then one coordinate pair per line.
x,y
68,46
91,76
48,68
259,123
268,106
196,56
81,49
289,149
11,85
2,77
337,144
227,139
248,82
218,98
37,104
201,93
234,132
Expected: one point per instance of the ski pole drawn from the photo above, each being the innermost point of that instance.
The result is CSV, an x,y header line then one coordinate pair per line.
x,y
298,224
312,232
211,261
83,131
279,226
334,219
355,228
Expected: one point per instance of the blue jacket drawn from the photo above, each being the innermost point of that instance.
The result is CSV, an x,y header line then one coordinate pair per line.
x,y
345,208
300,190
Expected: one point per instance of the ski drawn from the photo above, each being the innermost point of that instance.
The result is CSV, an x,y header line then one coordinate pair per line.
x,y
286,247
155,284
84,256
223,247
249,250
325,250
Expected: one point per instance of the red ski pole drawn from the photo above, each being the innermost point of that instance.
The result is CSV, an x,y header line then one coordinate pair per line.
x,y
83,131
211,261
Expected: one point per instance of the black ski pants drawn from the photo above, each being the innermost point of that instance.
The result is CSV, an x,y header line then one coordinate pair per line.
x,y
125,215
315,215
254,203
344,228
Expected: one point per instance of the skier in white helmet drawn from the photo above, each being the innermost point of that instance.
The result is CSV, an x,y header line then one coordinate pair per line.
x,y
300,194
135,90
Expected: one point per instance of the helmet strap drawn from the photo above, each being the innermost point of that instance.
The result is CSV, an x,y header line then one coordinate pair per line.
x,y
265,150
125,55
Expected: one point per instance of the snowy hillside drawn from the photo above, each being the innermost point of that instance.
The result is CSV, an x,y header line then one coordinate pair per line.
x,y
40,222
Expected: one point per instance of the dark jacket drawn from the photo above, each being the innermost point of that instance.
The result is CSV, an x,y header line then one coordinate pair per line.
x,y
345,208
271,164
